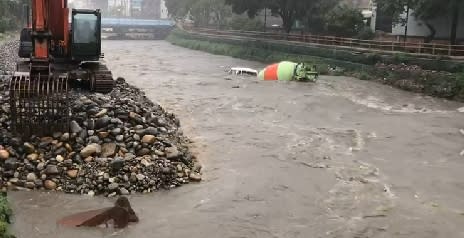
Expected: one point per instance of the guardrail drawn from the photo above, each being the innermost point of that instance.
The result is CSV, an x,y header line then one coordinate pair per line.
x,y
432,49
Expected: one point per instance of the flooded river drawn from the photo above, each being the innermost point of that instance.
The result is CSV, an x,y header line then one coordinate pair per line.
x,y
338,158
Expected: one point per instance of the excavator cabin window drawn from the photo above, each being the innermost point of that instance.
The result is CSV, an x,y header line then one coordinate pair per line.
x,y
85,28
86,35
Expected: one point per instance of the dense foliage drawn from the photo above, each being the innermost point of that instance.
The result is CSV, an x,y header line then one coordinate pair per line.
x,y
11,14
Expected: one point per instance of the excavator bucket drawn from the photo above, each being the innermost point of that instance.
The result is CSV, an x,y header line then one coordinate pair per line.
x,y
38,105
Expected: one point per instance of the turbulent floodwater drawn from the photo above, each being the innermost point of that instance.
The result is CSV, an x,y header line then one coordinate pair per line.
x,y
339,158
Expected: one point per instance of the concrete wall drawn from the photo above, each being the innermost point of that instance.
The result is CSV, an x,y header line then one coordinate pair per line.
x,y
417,28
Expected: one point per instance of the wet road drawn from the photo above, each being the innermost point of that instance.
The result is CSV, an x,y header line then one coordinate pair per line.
x,y
339,158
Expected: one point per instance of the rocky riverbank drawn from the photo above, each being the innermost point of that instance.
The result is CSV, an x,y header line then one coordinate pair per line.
x,y
118,143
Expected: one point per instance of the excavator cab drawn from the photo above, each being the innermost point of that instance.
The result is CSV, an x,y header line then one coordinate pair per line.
x,y
86,35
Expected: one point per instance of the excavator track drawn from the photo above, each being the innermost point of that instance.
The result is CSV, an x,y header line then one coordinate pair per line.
x,y
102,80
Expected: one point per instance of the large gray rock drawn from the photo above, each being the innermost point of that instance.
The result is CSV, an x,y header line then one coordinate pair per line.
x,y
108,149
31,177
75,128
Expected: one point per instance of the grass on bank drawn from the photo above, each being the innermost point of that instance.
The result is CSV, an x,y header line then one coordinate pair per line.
x,y
441,84
5,216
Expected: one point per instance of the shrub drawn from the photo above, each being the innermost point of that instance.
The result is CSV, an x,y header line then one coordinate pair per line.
x,y
365,33
5,215
246,24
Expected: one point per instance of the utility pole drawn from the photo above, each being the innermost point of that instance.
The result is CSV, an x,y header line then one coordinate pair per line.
x,y
265,19
407,21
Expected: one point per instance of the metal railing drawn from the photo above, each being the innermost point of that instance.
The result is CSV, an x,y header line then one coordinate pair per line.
x,y
420,48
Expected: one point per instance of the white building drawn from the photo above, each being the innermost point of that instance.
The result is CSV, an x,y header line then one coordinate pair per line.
x,y
418,28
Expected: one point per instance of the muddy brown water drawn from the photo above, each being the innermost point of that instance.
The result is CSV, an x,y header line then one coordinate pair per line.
x,y
339,158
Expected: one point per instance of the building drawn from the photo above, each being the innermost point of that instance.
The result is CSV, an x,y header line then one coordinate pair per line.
x,y
146,9
418,28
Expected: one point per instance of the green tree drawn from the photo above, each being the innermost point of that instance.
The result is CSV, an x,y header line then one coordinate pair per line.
x,y
203,12
288,10
178,8
431,9
251,7
344,21
315,18
11,14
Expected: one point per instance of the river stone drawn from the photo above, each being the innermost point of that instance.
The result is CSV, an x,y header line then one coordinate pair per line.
x,y
51,169
172,152
40,166
140,177
102,122
145,163
136,117
75,128
65,137
83,134
119,138
57,134
116,131
195,177
91,150
4,154
124,191
11,164
108,149
151,131
59,158
103,134
32,157
117,164
197,167
31,177
29,148
113,186
94,139
30,185
50,185
148,139
136,137
143,151
159,153
101,113
72,173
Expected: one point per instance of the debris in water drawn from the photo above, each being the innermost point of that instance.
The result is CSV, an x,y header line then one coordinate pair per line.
x,y
121,214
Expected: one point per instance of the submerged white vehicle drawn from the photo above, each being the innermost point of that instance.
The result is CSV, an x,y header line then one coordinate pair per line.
x,y
243,71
